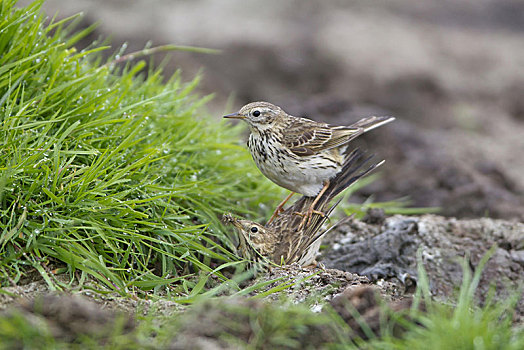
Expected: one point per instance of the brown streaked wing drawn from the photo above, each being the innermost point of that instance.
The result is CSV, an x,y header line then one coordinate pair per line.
x,y
306,137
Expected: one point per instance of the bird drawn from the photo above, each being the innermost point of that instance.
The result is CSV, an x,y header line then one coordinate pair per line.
x,y
299,154
284,240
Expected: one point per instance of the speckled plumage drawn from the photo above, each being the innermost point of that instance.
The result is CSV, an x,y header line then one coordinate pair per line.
x,y
285,239
298,154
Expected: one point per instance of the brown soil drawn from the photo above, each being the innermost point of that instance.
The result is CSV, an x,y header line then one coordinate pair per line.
x,y
452,74
388,252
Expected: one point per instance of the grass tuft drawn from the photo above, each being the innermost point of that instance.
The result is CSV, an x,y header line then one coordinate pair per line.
x,y
252,323
106,170
461,323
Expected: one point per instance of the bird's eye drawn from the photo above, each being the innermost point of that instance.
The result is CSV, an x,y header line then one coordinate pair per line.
x,y
254,229
256,113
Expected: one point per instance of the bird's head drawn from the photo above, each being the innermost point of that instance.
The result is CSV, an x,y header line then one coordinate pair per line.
x,y
252,235
258,115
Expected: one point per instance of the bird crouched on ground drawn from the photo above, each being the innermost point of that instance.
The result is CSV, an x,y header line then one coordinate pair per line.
x,y
285,240
299,154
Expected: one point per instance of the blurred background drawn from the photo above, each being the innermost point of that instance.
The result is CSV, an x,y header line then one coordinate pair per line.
x,y
451,72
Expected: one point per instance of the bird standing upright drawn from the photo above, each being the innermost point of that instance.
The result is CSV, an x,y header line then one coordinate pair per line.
x,y
299,154
285,239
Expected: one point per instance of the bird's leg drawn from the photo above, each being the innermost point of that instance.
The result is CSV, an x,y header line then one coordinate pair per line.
x,y
311,210
280,208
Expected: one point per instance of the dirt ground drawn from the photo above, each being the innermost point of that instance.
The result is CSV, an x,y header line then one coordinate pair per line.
x,y
363,261
451,72
389,249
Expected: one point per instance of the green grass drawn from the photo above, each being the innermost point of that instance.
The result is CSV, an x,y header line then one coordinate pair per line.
x,y
458,324
107,171
400,206
462,323
115,178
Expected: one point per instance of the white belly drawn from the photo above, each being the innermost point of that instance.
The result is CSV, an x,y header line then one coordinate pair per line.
x,y
306,178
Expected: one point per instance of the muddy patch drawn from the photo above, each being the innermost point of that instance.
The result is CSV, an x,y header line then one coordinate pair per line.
x,y
389,251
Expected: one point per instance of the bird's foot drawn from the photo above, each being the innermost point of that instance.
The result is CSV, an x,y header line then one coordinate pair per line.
x,y
306,217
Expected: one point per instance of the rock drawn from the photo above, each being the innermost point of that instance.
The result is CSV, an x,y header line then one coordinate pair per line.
x,y
390,253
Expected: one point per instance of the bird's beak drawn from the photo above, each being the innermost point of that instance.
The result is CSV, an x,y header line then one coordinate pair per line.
x,y
237,224
235,115
229,219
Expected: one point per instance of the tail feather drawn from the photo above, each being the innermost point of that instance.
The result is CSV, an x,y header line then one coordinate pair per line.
x,y
348,175
345,178
364,125
371,123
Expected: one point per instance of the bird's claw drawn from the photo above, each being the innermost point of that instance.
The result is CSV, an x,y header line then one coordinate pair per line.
x,y
306,217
